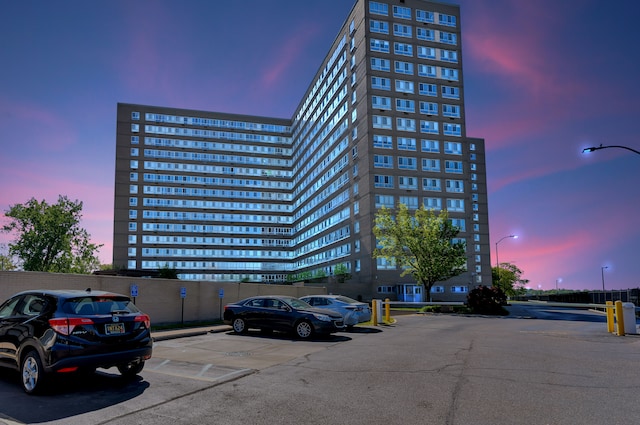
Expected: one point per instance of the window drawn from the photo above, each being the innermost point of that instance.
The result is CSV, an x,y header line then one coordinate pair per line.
x,y
429,127
453,167
405,124
133,226
378,64
452,129
406,144
456,205
380,121
425,34
431,184
352,27
384,142
449,56
384,201
430,145
450,92
404,86
133,202
135,128
382,264
459,289
353,61
449,74
133,164
424,16
133,177
133,188
378,8
430,164
135,140
380,102
133,214
459,223
429,108
380,83
402,12
379,45
428,89
404,67
400,30
437,289
456,186
356,263
383,182
380,27
408,183
453,148
448,20
432,203
135,116
447,37
410,201
426,52
134,151
405,105
407,163
383,161
427,71
132,239
403,49
451,111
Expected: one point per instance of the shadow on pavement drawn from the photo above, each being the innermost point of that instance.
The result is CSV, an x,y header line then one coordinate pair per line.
x,y
66,396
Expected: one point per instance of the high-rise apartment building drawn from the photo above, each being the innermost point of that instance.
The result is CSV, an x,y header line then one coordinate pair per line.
x,y
225,197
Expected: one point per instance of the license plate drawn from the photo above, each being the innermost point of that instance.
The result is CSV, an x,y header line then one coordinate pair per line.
x,y
114,328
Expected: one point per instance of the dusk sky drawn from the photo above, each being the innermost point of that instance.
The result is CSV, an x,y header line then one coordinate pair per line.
x,y
543,80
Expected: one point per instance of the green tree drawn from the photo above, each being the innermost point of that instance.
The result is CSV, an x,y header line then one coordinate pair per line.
x,y
49,238
508,277
421,245
341,272
167,272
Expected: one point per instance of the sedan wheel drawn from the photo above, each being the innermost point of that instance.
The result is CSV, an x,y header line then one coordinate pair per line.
x,y
239,326
304,329
32,373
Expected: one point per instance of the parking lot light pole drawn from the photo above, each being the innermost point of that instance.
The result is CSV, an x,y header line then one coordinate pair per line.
x,y
506,237
602,270
597,148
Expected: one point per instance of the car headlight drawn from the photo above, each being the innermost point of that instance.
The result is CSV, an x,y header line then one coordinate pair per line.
x,y
322,317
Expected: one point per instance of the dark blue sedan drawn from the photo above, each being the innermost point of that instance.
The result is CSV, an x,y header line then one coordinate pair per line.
x,y
281,313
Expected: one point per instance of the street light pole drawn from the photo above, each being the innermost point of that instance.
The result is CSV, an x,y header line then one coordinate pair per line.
x,y
597,148
510,236
602,270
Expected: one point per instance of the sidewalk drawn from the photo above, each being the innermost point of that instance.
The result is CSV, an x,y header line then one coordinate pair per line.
x,y
184,332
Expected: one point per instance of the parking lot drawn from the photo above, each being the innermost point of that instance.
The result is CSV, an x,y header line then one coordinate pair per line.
x,y
435,369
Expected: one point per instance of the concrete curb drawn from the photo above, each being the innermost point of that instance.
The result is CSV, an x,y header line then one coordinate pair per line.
x,y
182,333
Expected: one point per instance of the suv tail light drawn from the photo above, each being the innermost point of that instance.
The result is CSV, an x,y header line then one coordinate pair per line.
x,y
144,319
65,325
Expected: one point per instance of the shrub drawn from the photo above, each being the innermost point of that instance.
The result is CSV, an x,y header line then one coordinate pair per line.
x,y
487,300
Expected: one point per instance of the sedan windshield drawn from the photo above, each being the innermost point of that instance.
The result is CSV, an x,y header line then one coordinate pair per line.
x,y
297,303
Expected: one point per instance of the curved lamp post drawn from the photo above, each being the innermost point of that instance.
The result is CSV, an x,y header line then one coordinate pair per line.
x,y
597,148
506,237
602,270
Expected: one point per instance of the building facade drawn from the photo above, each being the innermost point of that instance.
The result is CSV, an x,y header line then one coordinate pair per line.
x,y
226,197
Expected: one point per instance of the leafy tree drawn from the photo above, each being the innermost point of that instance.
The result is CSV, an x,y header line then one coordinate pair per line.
x,y
167,272
508,277
49,238
341,272
422,244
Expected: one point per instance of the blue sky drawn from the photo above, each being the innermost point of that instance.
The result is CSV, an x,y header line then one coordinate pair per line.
x,y
542,80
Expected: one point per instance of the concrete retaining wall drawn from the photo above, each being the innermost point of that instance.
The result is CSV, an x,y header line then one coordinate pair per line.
x,y
160,298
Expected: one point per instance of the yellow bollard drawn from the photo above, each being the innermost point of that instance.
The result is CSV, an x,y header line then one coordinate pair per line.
x,y
374,312
387,310
620,318
610,319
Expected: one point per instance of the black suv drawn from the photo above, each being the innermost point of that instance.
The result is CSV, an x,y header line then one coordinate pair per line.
x,y
57,331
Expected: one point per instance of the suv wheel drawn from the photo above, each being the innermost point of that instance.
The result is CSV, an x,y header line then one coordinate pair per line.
x,y
31,373
129,370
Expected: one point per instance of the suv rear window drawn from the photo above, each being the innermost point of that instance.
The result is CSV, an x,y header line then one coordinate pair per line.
x,y
86,306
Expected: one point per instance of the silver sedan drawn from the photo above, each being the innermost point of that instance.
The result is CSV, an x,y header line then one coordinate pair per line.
x,y
353,312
